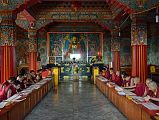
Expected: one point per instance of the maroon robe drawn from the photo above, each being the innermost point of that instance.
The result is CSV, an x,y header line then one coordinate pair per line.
x,y
113,77
155,96
125,82
107,74
12,88
140,89
118,80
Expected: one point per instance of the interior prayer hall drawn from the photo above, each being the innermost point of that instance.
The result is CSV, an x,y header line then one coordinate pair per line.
x,y
79,59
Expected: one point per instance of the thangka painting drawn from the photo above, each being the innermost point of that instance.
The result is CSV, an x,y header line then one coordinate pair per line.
x,y
58,60
56,40
65,44
42,46
93,44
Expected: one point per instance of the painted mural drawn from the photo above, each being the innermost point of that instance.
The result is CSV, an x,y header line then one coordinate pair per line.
x,y
125,51
139,35
42,47
22,47
153,51
106,48
62,45
93,44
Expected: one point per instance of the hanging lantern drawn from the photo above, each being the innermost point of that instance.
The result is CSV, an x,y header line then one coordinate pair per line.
x,y
157,15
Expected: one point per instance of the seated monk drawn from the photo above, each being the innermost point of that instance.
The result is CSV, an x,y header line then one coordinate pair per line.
x,y
10,89
107,74
50,72
25,83
154,96
29,81
118,79
2,92
33,76
45,73
136,86
7,89
127,81
39,75
103,72
139,87
147,91
112,75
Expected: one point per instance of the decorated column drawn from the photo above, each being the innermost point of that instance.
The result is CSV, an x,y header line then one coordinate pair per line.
x,y
32,49
7,44
115,49
139,47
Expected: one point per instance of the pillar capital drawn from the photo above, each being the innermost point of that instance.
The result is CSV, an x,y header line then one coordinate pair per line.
x,y
138,18
8,16
32,35
115,40
7,28
138,30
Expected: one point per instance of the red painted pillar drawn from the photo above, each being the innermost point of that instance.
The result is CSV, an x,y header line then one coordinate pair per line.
x,y
139,48
115,48
32,61
116,60
8,67
32,49
7,45
139,61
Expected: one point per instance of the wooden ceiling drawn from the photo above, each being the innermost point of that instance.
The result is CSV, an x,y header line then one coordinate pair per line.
x,y
105,13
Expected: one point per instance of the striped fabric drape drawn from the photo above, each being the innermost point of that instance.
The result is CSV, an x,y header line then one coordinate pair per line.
x,y
116,60
8,65
139,62
32,61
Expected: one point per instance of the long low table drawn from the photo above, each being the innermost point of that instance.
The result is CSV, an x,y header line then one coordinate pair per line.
x,y
18,109
131,109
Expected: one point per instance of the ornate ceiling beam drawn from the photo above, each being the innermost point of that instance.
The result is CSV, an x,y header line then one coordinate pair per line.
x,y
10,4
27,15
105,24
118,8
26,4
23,23
151,3
139,5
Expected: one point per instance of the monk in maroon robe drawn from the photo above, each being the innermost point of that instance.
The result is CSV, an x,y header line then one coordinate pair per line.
x,y
154,96
112,75
126,81
118,79
140,89
107,74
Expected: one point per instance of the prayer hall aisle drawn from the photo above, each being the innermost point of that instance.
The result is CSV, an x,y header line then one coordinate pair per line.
x,y
75,101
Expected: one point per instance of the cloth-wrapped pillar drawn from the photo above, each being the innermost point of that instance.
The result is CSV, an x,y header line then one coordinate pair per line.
x,y
32,34
7,44
139,47
115,49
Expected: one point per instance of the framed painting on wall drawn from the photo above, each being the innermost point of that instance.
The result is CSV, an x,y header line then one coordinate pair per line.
x,y
65,44
51,60
91,59
58,60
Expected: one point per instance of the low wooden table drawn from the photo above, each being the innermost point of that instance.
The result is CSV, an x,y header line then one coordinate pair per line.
x,y
18,110
129,108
